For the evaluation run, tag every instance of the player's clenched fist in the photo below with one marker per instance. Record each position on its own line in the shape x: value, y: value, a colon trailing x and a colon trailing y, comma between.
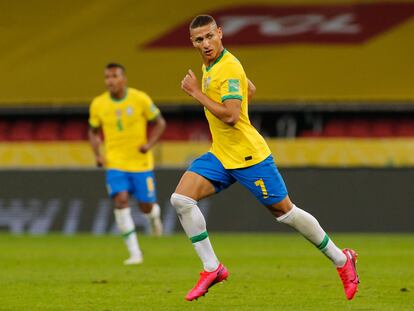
x: 190, y: 84
x: 100, y: 161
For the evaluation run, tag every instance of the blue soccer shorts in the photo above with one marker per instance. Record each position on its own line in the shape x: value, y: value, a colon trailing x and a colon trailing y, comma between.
x: 263, y: 179
x: 140, y: 184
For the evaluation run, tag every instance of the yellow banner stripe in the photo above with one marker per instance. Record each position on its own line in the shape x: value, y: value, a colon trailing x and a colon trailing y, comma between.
x: 287, y: 152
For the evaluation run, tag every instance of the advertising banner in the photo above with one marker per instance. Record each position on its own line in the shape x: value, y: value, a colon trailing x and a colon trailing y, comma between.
x: 53, y: 53
x: 68, y: 202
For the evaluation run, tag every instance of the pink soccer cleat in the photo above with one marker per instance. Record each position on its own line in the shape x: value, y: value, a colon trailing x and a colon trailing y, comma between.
x: 348, y: 274
x: 207, y: 279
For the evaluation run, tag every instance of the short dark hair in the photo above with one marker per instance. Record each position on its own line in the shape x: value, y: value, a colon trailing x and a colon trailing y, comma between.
x: 201, y: 20
x: 115, y: 65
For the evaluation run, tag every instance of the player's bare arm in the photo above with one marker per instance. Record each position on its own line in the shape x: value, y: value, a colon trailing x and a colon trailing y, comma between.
x: 96, y: 142
x: 228, y: 112
x: 156, y: 133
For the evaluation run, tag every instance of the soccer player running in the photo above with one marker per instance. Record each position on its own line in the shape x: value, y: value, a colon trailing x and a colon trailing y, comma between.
x: 122, y: 113
x: 238, y: 153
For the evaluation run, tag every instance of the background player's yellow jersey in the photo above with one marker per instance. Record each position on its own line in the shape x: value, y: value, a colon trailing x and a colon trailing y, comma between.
x: 240, y: 145
x: 124, y: 124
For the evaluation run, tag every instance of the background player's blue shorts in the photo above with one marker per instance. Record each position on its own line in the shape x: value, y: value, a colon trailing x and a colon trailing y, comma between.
x: 140, y: 184
x: 263, y: 179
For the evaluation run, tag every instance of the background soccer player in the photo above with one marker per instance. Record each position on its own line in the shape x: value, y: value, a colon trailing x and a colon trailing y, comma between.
x: 238, y: 153
x: 123, y: 112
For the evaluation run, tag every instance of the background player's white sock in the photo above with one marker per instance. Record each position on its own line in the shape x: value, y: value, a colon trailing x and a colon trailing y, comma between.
x: 155, y: 212
x: 154, y: 218
x: 126, y: 226
x: 309, y: 227
x: 194, y: 226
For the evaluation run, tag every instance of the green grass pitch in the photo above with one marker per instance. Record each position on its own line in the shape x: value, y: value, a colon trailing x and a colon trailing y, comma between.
x: 267, y: 272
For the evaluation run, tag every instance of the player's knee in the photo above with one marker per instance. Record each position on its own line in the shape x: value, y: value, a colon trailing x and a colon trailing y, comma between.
x: 119, y: 205
x: 121, y: 201
x: 281, y: 208
x: 145, y: 207
x: 182, y: 203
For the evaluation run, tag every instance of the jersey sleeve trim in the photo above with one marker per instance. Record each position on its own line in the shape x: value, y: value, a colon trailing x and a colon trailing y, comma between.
x: 94, y: 126
x: 155, y: 116
x: 223, y: 98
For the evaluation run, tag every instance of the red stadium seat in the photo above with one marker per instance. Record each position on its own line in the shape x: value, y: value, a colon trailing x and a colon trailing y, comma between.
x: 47, y: 130
x: 382, y: 128
x: 405, y: 127
x: 175, y: 131
x: 359, y: 128
x: 21, y: 130
x: 4, y: 130
x: 334, y: 128
x: 75, y: 130
x: 198, y: 130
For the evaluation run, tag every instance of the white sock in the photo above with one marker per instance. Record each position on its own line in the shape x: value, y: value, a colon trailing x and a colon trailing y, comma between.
x: 309, y: 227
x: 154, y: 213
x: 126, y: 226
x: 194, y: 226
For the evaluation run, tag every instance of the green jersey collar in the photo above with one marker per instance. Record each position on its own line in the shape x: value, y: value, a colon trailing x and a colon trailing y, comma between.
x: 119, y: 100
x: 217, y: 60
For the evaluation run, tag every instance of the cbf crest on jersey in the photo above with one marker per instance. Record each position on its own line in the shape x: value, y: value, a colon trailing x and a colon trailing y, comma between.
x: 129, y: 111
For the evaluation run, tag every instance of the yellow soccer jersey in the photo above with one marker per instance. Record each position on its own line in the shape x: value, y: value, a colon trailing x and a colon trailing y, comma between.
x: 240, y: 145
x: 124, y: 124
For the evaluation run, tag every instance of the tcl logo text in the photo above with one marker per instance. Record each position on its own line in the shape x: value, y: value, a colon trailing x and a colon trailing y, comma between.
x: 317, y: 24
x: 291, y: 25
